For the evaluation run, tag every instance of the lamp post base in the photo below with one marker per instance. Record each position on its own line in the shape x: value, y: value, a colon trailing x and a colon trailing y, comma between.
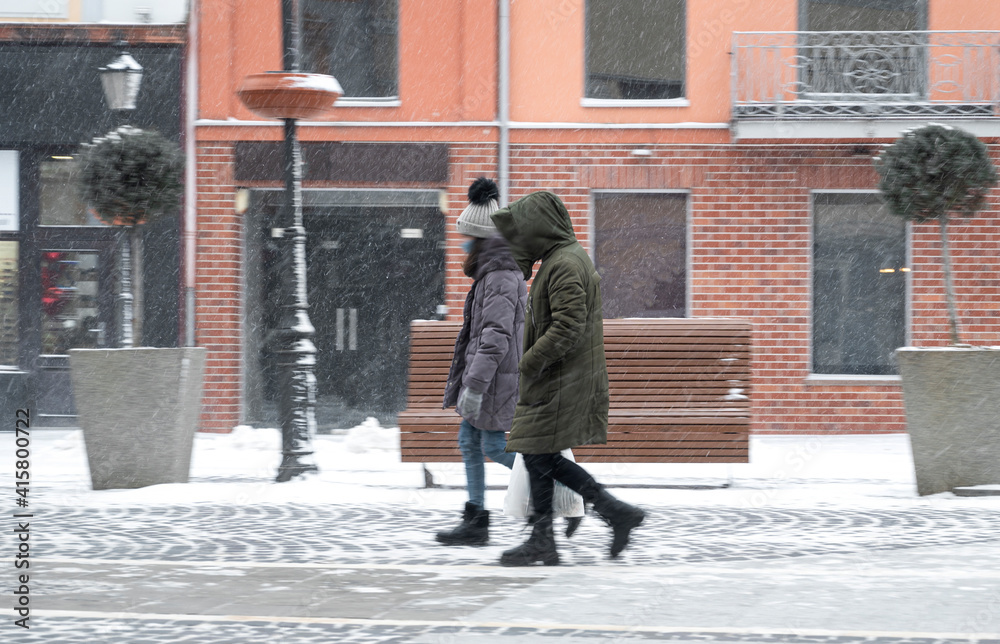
x: 291, y: 467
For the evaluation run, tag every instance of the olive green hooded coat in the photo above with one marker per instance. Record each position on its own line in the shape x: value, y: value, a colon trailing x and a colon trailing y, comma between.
x: 563, y: 398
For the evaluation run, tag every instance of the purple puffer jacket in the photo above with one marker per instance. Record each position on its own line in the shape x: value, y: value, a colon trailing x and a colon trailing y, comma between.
x: 488, y: 347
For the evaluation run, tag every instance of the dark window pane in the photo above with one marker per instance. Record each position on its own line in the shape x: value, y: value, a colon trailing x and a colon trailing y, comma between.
x: 641, y: 253
x: 354, y: 41
x: 859, y: 285
x: 863, y: 15
x: 61, y: 203
x: 635, y: 49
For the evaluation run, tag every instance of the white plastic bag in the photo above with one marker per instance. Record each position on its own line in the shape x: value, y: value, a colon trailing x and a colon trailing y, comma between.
x: 517, y: 502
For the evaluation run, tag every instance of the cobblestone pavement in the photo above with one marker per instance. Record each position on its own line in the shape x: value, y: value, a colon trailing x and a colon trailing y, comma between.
x: 218, y: 574
x: 163, y: 631
x: 401, y: 535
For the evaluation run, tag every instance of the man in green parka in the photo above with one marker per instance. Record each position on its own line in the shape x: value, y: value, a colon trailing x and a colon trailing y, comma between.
x: 563, y: 396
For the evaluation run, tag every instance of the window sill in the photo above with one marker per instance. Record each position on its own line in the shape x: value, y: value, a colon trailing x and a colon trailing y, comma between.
x: 822, y: 379
x: 360, y: 101
x: 621, y: 102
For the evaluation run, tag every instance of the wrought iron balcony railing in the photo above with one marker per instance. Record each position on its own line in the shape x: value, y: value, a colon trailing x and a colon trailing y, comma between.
x: 846, y: 74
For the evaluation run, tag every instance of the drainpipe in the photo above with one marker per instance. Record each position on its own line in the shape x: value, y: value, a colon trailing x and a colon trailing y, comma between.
x: 190, y: 176
x: 503, y: 103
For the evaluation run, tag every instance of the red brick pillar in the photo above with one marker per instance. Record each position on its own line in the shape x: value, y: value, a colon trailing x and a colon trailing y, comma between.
x: 219, y: 275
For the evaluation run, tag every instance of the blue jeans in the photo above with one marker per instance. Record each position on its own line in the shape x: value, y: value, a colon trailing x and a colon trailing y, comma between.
x: 474, y: 443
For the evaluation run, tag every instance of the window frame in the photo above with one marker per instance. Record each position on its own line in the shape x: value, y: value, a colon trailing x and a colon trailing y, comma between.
x: 854, y: 379
x: 680, y: 101
x: 688, y: 236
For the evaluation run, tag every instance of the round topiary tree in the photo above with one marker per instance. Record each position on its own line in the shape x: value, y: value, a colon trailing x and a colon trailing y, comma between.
x: 936, y: 172
x: 130, y: 177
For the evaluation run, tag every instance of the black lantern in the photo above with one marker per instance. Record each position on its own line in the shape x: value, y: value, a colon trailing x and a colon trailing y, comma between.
x: 121, y: 79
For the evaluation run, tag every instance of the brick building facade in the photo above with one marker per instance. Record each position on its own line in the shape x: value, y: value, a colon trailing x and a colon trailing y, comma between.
x: 753, y: 209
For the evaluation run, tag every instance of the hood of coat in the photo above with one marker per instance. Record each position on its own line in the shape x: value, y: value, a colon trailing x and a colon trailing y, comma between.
x: 534, y: 225
x: 494, y: 255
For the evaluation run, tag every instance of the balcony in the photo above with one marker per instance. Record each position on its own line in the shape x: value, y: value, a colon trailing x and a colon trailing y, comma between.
x: 864, y: 77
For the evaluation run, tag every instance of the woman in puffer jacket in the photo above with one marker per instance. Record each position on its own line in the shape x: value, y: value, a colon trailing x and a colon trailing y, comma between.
x: 483, y: 381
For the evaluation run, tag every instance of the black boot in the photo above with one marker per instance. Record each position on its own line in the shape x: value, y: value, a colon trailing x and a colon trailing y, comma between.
x: 473, y: 531
x: 572, y: 523
x: 540, y: 546
x: 621, y: 516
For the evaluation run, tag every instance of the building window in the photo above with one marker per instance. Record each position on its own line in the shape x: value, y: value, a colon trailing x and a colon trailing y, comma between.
x: 8, y: 303
x: 840, y: 59
x: 635, y: 49
x: 61, y: 203
x: 354, y: 41
x: 35, y: 10
x: 859, y: 285
x: 640, y: 250
x: 863, y: 15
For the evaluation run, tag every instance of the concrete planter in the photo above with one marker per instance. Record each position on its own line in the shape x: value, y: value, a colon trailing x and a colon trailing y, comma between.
x: 952, y: 400
x: 139, y: 410
x: 14, y: 393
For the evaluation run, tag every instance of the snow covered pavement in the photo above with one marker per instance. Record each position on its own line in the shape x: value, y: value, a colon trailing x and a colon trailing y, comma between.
x: 817, y: 540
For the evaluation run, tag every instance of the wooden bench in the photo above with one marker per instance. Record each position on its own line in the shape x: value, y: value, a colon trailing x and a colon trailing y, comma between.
x: 680, y: 393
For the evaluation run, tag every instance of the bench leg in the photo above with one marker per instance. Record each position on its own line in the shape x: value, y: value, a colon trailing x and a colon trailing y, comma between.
x: 428, y: 477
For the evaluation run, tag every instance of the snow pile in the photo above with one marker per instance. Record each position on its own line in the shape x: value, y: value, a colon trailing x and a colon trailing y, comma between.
x: 370, y: 436
x: 245, y: 437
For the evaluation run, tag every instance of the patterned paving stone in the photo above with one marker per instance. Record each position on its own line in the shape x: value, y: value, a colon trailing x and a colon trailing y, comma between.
x: 403, y: 535
x: 64, y: 630
x: 396, y: 535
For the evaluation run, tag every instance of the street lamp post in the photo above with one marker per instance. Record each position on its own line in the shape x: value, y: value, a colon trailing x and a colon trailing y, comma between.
x: 297, y: 355
x: 291, y: 95
x: 120, y: 80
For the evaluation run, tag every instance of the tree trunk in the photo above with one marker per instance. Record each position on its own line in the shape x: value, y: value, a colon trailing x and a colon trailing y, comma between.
x: 949, y: 283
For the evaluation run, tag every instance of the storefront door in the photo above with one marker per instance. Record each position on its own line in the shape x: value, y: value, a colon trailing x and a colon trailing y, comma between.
x: 375, y: 262
x: 69, y: 264
x: 77, y: 312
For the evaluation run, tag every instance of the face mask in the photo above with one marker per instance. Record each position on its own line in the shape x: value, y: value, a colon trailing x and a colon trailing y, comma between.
x: 468, y: 244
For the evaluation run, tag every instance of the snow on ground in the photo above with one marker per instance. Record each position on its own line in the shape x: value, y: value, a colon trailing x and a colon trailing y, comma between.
x: 362, y: 465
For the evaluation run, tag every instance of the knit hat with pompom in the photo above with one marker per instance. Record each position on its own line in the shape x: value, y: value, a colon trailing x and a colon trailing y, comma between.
x: 484, y: 199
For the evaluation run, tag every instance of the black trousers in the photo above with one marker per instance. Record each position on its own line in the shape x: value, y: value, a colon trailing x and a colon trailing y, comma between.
x: 545, y: 469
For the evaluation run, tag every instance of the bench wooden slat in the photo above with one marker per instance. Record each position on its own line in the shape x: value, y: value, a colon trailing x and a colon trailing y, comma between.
x: 671, y: 383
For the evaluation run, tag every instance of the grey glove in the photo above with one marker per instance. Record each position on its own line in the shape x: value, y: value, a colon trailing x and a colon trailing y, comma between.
x: 470, y: 403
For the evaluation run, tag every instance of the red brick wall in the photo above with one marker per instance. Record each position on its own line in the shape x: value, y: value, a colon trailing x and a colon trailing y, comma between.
x: 468, y: 161
x: 750, y: 255
x: 219, y: 276
x: 751, y: 252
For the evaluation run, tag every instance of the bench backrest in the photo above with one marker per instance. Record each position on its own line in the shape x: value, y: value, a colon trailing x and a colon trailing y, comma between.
x: 655, y: 363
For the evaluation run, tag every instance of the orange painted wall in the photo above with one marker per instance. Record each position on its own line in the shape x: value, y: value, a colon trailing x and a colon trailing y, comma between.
x: 448, y: 53
x: 447, y: 60
x: 547, y: 62
x: 952, y: 15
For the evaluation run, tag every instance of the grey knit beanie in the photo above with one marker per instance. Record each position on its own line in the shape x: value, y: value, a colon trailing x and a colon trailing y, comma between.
x: 483, y: 201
